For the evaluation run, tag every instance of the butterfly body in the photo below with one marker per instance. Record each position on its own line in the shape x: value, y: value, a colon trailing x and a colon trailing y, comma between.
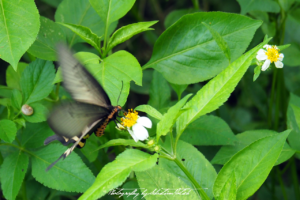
x: 90, y: 112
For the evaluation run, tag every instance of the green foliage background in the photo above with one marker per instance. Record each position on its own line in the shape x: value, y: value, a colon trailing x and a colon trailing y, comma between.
x: 190, y: 69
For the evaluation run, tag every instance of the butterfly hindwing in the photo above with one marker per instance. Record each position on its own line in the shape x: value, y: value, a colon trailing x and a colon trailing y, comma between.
x: 82, y: 86
x: 85, y: 131
x: 69, y: 119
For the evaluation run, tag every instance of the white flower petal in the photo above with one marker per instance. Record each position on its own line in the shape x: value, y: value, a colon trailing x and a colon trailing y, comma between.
x: 144, y: 121
x: 279, y: 64
x: 140, y: 132
x: 266, y: 65
x: 267, y: 46
x: 133, y: 135
x: 281, y: 56
x: 261, y: 55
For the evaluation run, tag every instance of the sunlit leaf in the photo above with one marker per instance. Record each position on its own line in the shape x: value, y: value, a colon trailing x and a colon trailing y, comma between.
x: 8, y: 130
x: 36, y: 80
x: 187, y: 52
x: 251, y: 165
x: 17, y: 33
x: 217, y: 90
x: 116, y: 172
x: 49, y: 36
x: 209, y: 130
x: 12, y: 173
x: 71, y: 174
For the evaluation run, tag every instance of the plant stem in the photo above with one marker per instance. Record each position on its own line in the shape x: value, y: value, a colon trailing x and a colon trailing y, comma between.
x: 192, y: 179
x: 172, y: 141
x: 281, y: 183
x: 295, y: 178
x: 196, y: 4
x: 24, y: 191
x: 272, y: 98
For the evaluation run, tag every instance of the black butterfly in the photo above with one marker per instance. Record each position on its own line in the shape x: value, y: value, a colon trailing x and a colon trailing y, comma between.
x: 73, y: 122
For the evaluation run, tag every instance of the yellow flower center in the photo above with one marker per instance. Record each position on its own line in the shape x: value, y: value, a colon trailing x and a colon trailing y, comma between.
x: 130, y: 118
x: 273, y: 54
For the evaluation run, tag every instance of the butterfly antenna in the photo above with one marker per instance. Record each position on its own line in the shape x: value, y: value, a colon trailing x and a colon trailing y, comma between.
x: 120, y: 94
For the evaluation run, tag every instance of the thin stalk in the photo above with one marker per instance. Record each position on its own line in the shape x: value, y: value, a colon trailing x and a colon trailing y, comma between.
x: 172, y: 141
x: 286, y: 167
x: 272, y: 98
x: 192, y: 179
x: 281, y: 183
x: 24, y: 195
x: 196, y: 4
x: 294, y: 177
x: 273, y: 176
x: 278, y: 98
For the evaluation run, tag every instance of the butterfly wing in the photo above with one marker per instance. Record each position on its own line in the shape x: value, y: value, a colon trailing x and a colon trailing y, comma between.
x: 70, y: 119
x: 82, y: 86
x: 86, y: 130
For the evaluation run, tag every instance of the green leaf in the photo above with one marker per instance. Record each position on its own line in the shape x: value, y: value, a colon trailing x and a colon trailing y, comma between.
x: 39, y: 113
x: 90, y: 148
x: 160, y: 178
x: 86, y: 34
x: 80, y: 13
x: 282, y: 47
x: 217, y: 90
x: 209, y: 130
x: 130, y: 187
x: 8, y: 130
x: 175, y: 15
x: 291, y: 55
x: 118, y: 67
x: 245, y: 139
x: 58, y: 76
x: 150, y: 111
x: 35, y: 134
x: 16, y: 99
x: 179, y: 89
x: 168, y: 119
x: 251, y: 165
x: 36, y: 191
x: 144, y: 89
x: 70, y: 174
x: 115, y: 173
x: 21, y: 122
x: 293, y: 122
x: 293, y: 24
x: 123, y: 142
x: 257, y: 71
x: 286, y: 4
x: 49, y: 36
x: 53, y: 3
x: 187, y: 53
x: 261, y: 5
x: 36, y: 80
x: 229, y: 190
x: 219, y: 40
x: 126, y: 32
x: 20, y: 25
x: 12, y: 173
x: 13, y: 77
x: 111, y: 10
x: 160, y: 92
x: 195, y: 163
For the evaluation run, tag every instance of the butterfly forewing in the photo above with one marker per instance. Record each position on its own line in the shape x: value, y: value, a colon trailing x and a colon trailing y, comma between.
x: 82, y: 86
x: 92, y: 108
x: 69, y: 119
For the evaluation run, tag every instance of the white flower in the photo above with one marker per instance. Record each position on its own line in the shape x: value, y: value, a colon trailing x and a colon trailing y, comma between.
x: 270, y: 55
x: 136, y: 125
